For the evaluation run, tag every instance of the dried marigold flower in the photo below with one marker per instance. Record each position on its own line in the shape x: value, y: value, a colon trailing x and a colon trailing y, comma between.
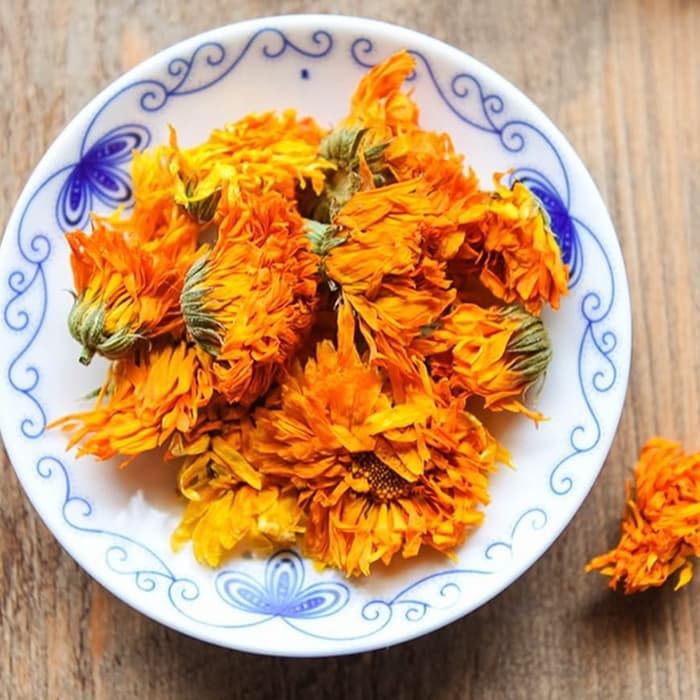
x: 388, y: 118
x: 128, y: 270
x: 376, y: 476
x: 229, y: 506
x: 355, y: 167
x: 378, y: 103
x: 661, y: 526
x: 126, y: 289
x: 383, y: 272
x: 258, y: 153
x: 212, y: 450
x: 230, y: 518
x: 498, y: 353
x: 508, y: 241
x: 148, y: 396
x: 249, y: 301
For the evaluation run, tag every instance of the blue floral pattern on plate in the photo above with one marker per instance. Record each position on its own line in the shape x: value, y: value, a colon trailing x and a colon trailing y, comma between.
x: 286, y: 591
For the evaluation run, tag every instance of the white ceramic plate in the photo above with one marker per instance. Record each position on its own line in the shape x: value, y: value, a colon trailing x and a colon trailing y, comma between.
x: 117, y: 524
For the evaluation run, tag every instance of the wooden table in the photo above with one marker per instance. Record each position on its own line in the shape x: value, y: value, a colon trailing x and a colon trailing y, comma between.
x: 622, y: 80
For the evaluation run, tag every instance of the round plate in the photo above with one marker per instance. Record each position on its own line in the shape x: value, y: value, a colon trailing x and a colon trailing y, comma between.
x: 117, y: 524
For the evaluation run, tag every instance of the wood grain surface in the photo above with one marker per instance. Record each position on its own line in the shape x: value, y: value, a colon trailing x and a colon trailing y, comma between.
x: 622, y: 81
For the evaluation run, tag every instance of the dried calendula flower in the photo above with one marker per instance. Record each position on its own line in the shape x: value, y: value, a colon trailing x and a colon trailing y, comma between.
x: 358, y: 147
x: 498, y: 353
x: 377, y: 476
x: 379, y: 105
x: 126, y: 289
x: 229, y: 505
x: 384, y: 273
x: 388, y: 118
x: 147, y: 397
x: 511, y: 247
x: 255, y: 154
x: 212, y: 449
x: 249, y: 301
x: 235, y: 516
x: 661, y: 526
x: 200, y: 203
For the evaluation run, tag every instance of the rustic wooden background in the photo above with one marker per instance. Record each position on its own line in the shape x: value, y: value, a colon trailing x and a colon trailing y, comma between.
x: 622, y: 80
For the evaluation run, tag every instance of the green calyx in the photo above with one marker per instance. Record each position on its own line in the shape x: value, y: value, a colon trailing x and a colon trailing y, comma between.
x: 86, y: 323
x: 323, y: 238
x: 529, y: 346
x: 205, y: 330
x: 427, y: 330
x: 201, y: 209
x: 343, y: 148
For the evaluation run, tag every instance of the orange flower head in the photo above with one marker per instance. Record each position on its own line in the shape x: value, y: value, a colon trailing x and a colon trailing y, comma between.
x: 356, y: 148
x: 155, y: 220
x: 223, y: 520
x: 376, y: 476
x: 155, y: 211
x: 249, y: 302
x: 258, y: 153
x: 229, y: 507
x: 126, y: 289
x: 431, y: 156
x: 498, y: 353
x: 381, y: 142
x: 211, y: 451
x: 661, y: 527
x: 510, y: 245
x: 148, y: 396
x: 383, y: 272
x: 378, y: 103
x: 355, y: 166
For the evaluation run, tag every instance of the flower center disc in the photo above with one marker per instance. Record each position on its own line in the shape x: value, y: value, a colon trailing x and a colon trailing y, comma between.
x: 385, y: 484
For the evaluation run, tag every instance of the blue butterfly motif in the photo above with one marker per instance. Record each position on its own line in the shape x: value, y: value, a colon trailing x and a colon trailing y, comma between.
x: 98, y: 176
x: 282, y: 593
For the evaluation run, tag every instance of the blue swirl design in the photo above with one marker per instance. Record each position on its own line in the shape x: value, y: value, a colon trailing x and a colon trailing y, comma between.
x: 98, y: 175
x: 283, y: 594
x: 209, y: 64
x: 77, y: 512
x: 561, y: 221
x: 601, y: 342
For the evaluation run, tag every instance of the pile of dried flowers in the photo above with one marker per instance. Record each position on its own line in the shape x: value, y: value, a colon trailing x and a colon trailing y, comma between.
x: 300, y: 317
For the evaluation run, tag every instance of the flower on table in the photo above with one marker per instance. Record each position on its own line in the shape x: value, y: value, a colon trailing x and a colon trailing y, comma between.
x: 661, y: 525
